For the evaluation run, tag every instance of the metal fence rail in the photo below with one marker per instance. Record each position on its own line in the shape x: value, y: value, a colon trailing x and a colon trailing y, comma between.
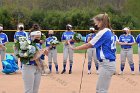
x: 73, y: 30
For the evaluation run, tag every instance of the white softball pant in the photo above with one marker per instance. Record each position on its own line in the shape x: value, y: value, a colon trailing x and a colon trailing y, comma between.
x: 67, y: 51
x: 2, y: 53
x: 106, y: 70
x: 92, y: 55
x: 126, y: 53
x: 31, y: 77
x: 52, y: 55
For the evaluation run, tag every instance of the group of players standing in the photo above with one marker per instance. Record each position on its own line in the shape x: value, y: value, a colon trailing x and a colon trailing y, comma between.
x: 126, y: 41
x: 101, y: 46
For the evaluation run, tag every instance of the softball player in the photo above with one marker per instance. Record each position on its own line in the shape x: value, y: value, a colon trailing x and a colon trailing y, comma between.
x: 18, y: 34
x: 91, y: 51
x: 67, y: 51
x: 52, y: 53
x: 138, y: 42
x: 30, y: 72
x: 3, y: 41
x: 126, y: 41
x: 103, y: 43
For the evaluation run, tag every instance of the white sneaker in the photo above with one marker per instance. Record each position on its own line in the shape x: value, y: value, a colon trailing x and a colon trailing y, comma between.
x: 89, y: 72
x: 121, y: 73
x: 97, y: 72
x: 132, y: 72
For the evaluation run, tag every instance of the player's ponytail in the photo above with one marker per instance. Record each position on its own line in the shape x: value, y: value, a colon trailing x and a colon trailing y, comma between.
x: 104, y: 19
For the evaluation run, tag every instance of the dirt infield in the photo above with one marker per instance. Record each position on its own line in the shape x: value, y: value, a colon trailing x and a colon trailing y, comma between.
x: 66, y: 83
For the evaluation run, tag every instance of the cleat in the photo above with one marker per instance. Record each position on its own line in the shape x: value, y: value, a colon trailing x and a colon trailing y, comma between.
x: 70, y: 72
x: 132, y: 72
x: 89, y: 72
x: 63, y: 71
x: 121, y: 73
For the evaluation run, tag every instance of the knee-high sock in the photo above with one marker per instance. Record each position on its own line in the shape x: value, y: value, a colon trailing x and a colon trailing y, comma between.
x: 56, y: 66
x: 50, y: 67
x: 122, y: 67
x: 132, y: 67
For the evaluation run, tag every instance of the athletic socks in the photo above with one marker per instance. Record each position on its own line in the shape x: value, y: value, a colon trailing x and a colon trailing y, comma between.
x: 50, y: 67
x: 56, y: 66
x: 64, y: 67
x: 70, y: 67
x: 139, y: 67
x: 97, y: 67
x: 132, y: 67
x: 89, y: 66
x: 122, y: 67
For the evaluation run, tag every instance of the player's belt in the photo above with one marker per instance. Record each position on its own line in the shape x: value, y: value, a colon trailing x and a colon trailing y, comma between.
x: 110, y: 60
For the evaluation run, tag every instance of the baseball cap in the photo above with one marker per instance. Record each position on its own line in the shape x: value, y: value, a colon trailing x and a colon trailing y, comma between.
x: 126, y: 28
x: 35, y: 33
x: 1, y: 28
x: 69, y: 25
x: 92, y: 28
x: 20, y: 25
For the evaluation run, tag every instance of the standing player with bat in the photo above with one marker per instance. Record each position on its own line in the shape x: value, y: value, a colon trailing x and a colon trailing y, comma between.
x: 103, y: 43
x: 91, y: 51
x: 67, y: 51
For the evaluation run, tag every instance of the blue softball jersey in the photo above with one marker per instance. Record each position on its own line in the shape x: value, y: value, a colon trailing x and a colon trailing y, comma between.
x: 67, y: 35
x: 103, y: 42
x: 138, y: 40
x: 3, y: 38
x: 19, y: 34
x: 128, y: 39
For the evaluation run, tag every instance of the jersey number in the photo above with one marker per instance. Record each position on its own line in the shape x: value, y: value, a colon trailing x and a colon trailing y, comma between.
x: 113, y: 45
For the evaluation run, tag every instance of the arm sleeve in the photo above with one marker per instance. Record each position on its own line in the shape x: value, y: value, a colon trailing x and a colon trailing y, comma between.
x: 15, y: 36
x: 6, y: 38
x: 47, y: 45
x: 120, y: 40
x: 137, y: 39
x: 132, y: 39
x: 63, y: 37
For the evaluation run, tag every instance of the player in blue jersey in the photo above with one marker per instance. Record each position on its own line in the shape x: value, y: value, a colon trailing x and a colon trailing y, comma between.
x: 3, y: 41
x: 126, y: 41
x: 67, y: 51
x: 138, y: 42
x: 91, y: 51
x: 103, y: 43
x: 18, y: 34
x: 52, y: 53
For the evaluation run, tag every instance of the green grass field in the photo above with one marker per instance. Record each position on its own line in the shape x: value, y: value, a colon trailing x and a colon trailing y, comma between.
x: 60, y: 48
